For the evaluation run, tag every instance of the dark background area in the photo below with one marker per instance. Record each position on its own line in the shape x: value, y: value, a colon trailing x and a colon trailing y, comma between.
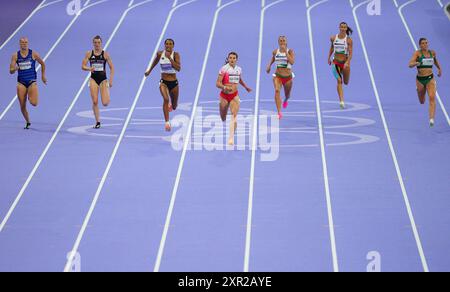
x: 13, y: 14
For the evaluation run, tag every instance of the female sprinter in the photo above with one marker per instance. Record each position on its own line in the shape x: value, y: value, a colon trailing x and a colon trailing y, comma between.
x: 24, y: 62
x: 99, y: 80
x: 230, y: 76
x: 342, y: 47
x: 424, y: 59
x: 170, y: 63
x: 284, y: 58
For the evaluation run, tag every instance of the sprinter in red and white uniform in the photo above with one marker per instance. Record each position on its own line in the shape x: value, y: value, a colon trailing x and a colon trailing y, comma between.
x: 230, y: 76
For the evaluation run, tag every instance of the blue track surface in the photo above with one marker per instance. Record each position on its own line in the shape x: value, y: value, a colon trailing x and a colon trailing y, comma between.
x: 127, y: 201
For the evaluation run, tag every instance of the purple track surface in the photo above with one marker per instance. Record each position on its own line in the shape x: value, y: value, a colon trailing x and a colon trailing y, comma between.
x: 110, y: 195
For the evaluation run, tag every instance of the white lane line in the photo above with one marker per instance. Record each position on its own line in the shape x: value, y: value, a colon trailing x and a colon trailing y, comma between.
x: 51, y: 3
x: 188, y: 136
x: 120, y: 139
x: 405, y: 24
x: 22, y: 25
x: 13, y: 100
x: 351, y: 2
x: 248, y: 238
x: 55, y: 134
x: 391, y: 145
x: 322, y: 142
x: 440, y: 3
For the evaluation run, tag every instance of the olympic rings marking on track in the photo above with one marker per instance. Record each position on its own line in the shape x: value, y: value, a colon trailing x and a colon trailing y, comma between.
x: 355, y: 122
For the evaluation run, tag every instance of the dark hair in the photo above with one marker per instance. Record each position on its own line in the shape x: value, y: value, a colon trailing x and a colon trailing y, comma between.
x: 422, y: 39
x: 169, y: 40
x: 97, y: 38
x: 232, y: 53
x: 349, y: 30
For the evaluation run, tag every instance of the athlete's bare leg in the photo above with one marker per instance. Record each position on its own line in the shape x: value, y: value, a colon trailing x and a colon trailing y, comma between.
x: 234, y: 106
x: 94, y: 89
x: 22, y: 95
x: 166, y: 100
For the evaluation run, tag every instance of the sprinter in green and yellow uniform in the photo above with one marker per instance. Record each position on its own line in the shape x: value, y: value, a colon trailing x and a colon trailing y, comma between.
x: 424, y: 59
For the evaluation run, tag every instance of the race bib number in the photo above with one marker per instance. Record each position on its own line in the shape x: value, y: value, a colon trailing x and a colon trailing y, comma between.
x: 25, y: 66
x: 166, y: 67
x: 98, y: 67
x: 428, y: 62
x: 235, y: 79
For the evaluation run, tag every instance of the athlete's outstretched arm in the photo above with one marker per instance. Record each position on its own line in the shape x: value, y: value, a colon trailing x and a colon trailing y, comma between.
x: 350, y: 52
x: 241, y: 82
x: 42, y: 63
x: 291, y: 57
x: 413, y: 62
x: 13, y: 68
x: 269, y: 67
x: 176, y: 62
x: 111, y: 68
x: 438, y: 65
x: 155, y: 62
x: 330, y: 53
x: 84, y: 65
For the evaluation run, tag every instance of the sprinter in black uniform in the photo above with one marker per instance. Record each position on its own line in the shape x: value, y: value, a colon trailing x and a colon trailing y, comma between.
x: 97, y: 59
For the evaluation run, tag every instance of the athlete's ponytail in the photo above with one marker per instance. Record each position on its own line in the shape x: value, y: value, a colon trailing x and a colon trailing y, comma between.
x: 232, y: 53
x: 349, y: 29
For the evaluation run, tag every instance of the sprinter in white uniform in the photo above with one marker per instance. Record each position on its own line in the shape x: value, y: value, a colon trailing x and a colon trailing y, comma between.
x: 170, y: 64
x: 284, y: 58
x: 342, y: 49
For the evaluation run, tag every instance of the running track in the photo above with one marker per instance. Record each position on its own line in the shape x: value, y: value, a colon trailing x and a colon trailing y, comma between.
x: 369, y: 179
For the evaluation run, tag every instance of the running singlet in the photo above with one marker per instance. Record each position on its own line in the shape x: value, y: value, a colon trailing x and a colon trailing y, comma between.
x: 99, y: 65
x: 27, y: 67
x: 231, y: 75
x: 166, y: 65
x: 426, y: 62
x: 340, y: 46
x: 281, y: 60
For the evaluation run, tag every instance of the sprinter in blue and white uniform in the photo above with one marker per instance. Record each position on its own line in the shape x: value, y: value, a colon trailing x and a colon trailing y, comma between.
x: 24, y: 62
x: 170, y: 64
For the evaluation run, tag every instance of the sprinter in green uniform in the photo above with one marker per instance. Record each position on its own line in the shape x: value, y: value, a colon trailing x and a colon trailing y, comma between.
x: 424, y: 59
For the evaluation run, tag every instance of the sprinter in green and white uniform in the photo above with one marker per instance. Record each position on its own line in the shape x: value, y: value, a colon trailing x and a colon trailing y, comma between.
x: 342, y: 51
x: 425, y: 59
